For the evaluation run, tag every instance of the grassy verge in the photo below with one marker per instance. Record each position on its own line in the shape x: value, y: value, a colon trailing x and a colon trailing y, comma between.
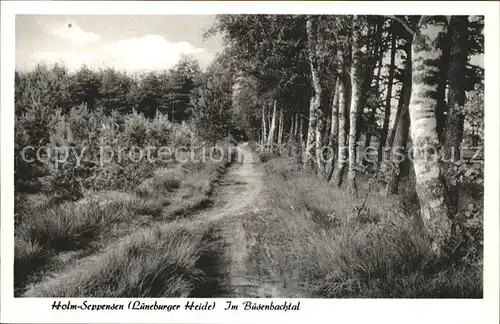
x: 176, y: 260
x: 329, y: 244
x: 45, y: 230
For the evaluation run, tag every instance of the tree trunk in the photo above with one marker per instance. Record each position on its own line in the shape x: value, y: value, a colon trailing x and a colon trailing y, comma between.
x: 280, y: 130
x: 319, y: 142
x: 405, y: 92
x: 334, y: 125
x: 311, y: 133
x: 299, y: 144
x: 355, y: 104
x: 377, y: 53
x: 387, y: 110
x: 458, y: 32
x: 325, y: 148
x: 334, y: 131
x: 430, y: 184
x: 411, y: 185
x: 301, y: 132
x: 264, y: 126
x: 390, y: 140
x: 272, y: 128
x: 296, y: 129
x: 342, y: 135
x: 401, y: 128
x: 269, y: 117
x: 314, y: 109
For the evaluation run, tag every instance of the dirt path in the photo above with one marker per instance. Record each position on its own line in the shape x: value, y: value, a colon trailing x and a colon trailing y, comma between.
x: 239, y: 193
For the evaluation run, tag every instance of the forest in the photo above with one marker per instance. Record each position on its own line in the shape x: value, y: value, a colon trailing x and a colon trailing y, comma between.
x: 362, y: 175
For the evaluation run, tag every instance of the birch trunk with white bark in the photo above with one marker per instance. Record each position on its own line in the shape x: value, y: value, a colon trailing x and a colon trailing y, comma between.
x: 355, y: 104
x: 264, y: 126
x: 430, y: 185
x: 272, y: 128
x: 342, y: 134
x: 280, y: 130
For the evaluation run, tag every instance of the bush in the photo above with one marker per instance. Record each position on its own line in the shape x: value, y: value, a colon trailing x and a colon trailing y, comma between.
x: 58, y: 110
x: 81, y: 133
x: 67, y: 202
x: 31, y: 130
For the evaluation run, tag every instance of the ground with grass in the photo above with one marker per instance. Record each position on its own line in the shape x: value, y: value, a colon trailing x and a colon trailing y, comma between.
x: 272, y: 230
x: 53, y: 239
x: 195, y: 256
x: 316, y: 240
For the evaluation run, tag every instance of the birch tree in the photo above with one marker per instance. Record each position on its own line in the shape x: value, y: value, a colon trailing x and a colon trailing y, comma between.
x: 430, y: 185
x: 313, y: 134
x: 272, y: 127
x: 334, y: 130
x: 355, y: 102
x: 280, y: 128
x: 342, y: 135
x: 264, y: 125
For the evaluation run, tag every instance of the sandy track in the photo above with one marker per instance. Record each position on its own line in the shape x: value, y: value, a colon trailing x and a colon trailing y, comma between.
x: 241, y: 194
x: 238, y: 193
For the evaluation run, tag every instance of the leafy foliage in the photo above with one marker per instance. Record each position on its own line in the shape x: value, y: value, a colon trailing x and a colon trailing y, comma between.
x: 474, y: 116
x: 212, y: 103
x: 114, y: 91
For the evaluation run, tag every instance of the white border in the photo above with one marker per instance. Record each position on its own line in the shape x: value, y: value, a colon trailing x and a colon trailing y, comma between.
x: 27, y: 310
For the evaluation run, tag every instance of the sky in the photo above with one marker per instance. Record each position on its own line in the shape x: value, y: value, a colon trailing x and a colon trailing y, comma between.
x: 125, y: 42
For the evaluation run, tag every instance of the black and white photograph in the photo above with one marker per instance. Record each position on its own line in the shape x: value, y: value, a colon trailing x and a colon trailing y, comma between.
x: 250, y: 157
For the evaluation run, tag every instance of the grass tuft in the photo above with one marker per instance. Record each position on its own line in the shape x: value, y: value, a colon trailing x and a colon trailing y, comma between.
x: 69, y: 225
x: 164, y: 262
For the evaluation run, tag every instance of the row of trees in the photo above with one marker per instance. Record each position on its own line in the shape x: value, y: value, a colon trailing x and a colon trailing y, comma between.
x: 335, y: 81
x: 78, y: 112
x: 312, y: 82
x: 167, y: 92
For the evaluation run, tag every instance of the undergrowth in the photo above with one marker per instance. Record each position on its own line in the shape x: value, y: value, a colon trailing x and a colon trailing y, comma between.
x: 330, y: 244
x: 176, y: 260
x: 45, y: 228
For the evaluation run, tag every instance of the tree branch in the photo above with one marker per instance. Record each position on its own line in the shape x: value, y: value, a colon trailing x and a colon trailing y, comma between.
x: 403, y: 23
